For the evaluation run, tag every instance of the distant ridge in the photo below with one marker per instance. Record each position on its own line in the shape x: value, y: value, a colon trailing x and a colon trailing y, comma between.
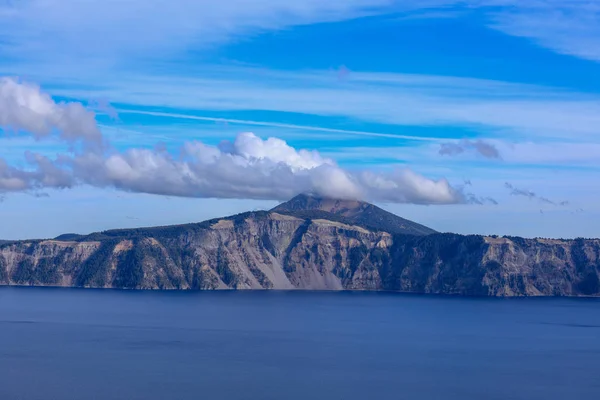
x: 353, y: 211
x: 309, y: 243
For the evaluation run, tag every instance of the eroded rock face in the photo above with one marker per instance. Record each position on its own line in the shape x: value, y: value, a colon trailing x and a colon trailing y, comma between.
x: 269, y: 250
x: 488, y: 266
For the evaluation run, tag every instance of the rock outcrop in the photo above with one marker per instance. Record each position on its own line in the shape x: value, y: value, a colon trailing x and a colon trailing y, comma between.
x: 307, y: 248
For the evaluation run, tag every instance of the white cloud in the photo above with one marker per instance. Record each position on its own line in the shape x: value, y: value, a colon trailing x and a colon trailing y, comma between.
x: 23, y: 107
x: 250, y: 167
x: 405, y: 186
x: 251, y: 147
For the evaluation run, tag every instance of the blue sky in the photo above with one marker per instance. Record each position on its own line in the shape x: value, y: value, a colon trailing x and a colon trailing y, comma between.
x: 467, y: 116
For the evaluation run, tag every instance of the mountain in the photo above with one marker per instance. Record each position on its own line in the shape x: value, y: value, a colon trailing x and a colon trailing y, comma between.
x: 353, y: 212
x: 307, y: 243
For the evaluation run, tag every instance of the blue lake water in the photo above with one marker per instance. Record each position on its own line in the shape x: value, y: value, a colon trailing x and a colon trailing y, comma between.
x: 102, y: 344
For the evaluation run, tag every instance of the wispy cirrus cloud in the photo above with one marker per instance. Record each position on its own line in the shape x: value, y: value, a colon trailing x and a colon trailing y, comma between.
x: 495, y: 108
x: 143, y: 28
x: 37, y: 28
x: 569, y: 27
x: 246, y: 122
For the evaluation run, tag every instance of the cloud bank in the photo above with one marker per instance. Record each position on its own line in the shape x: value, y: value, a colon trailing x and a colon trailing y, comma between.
x: 252, y: 168
x: 248, y: 167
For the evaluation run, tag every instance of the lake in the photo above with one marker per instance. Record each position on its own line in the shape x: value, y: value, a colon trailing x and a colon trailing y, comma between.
x: 106, y: 344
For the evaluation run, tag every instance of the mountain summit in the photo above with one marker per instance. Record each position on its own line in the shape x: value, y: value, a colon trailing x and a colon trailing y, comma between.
x: 351, y: 211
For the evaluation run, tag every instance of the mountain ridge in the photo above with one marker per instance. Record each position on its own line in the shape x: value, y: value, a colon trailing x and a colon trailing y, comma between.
x: 310, y: 244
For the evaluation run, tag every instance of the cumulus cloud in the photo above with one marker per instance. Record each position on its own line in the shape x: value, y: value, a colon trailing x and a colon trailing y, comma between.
x: 248, y: 167
x: 249, y: 146
x: 532, y: 195
x: 481, y: 147
x: 24, y: 107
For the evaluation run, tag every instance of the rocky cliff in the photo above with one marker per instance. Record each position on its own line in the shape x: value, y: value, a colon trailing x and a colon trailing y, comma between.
x: 306, y: 249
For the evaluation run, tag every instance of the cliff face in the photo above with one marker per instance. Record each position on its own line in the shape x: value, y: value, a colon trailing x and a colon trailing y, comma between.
x: 255, y: 251
x: 491, y: 266
x: 270, y: 250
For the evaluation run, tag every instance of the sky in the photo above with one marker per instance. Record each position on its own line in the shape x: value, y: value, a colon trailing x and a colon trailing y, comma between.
x: 474, y: 117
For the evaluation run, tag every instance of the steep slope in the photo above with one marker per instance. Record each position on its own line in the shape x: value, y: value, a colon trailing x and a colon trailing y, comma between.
x: 354, y: 212
x: 270, y: 250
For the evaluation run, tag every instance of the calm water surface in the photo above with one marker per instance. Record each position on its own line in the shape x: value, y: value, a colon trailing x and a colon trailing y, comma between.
x: 93, y: 344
